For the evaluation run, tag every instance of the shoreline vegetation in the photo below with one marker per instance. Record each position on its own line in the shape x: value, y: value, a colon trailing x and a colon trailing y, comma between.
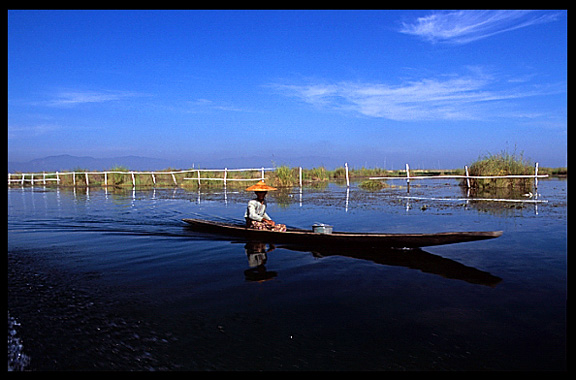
x: 283, y: 176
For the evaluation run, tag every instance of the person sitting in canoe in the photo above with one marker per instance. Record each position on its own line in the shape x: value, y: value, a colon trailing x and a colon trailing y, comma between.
x: 256, y: 216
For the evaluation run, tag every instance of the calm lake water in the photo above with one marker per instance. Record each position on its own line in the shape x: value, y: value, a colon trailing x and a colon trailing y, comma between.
x: 100, y: 280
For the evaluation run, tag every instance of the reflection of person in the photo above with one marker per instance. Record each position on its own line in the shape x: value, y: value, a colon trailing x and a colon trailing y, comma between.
x: 256, y: 252
x: 256, y: 216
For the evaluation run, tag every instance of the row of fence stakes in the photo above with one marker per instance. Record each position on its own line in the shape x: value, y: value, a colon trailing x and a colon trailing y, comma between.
x: 29, y: 177
x: 467, y: 176
x: 262, y: 171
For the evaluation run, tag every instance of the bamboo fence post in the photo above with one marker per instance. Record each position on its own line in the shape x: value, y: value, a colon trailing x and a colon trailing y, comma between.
x: 74, y: 178
x: 174, y: 178
x: 198, y: 178
x: 408, y: 177
x: 153, y: 178
x: 535, y: 178
x: 23, y: 179
x: 300, y: 175
x: 262, y: 173
x: 86, y: 173
x: 105, y: 178
x: 44, y: 178
x: 467, y: 175
x: 225, y: 175
x: 133, y: 180
x: 347, y: 176
x: 58, y: 178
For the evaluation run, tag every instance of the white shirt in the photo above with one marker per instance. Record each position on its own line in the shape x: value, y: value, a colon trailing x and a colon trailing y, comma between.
x: 256, y: 211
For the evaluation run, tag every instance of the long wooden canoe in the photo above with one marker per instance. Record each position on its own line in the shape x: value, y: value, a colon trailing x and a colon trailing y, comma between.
x: 307, y: 237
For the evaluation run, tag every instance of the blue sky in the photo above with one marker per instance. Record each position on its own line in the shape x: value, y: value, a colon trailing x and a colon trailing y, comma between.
x: 435, y: 89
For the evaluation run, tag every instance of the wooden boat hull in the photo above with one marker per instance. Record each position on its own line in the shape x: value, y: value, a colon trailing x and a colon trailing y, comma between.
x: 307, y: 237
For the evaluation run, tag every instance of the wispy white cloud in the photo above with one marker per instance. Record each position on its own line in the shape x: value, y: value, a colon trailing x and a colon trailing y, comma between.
x: 199, y: 105
x: 461, y: 27
x: 452, y: 97
x: 68, y: 98
x: 34, y: 130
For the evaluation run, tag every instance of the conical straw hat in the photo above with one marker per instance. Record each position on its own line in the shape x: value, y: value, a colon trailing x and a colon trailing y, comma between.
x: 260, y: 186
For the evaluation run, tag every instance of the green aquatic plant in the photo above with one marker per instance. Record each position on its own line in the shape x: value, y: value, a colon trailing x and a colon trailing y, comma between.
x: 373, y: 185
x: 500, y: 164
x: 285, y: 176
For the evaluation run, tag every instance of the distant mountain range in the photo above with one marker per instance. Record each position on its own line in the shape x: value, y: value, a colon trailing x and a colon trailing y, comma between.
x: 68, y: 162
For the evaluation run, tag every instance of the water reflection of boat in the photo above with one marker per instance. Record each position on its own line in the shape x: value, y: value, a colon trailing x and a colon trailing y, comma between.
x: 416, y: 258
x: 299, y: 236
x: 411, y: 258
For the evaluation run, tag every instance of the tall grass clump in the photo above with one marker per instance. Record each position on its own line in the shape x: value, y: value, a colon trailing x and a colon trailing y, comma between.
x: 499, y: 164
x: 285, y: 176
x: 316, y: 174
x: 339, y: 173
x: 118, y: 179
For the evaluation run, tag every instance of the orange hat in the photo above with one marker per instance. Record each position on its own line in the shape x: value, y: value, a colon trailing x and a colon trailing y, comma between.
x: 260, y: 186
